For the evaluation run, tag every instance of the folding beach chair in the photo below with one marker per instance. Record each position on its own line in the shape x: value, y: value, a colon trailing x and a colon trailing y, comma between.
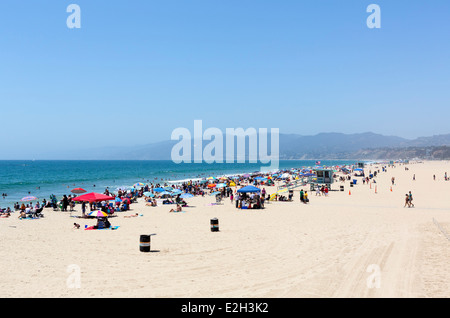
x: 38, y: 213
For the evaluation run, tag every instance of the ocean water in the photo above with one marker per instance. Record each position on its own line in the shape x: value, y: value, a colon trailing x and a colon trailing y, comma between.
x: 42, y: 178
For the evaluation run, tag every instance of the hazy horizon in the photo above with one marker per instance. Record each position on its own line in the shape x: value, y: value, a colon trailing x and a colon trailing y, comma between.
x: 75, y: 153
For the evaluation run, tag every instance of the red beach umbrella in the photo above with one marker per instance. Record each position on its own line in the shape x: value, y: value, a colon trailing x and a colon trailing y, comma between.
x: 93, y: 197
x: 78, y: 190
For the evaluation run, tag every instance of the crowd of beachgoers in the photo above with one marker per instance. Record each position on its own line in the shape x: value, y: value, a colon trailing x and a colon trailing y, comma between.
x: 178, y: 192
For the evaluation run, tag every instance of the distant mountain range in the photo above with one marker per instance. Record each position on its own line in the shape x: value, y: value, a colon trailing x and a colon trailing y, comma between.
x: 291, y: 146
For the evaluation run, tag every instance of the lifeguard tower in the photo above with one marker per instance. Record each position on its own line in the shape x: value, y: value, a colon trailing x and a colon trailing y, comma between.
x: 323, y: 177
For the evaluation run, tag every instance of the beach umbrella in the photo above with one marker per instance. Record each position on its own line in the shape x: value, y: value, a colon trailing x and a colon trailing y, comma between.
x: 221, y: 185
x: 215, y: 193
x: 78, y: 190
x: 232, y: 184
x: 126, y: 200
x: 168, y: 188
x: 211, y: 178
x: 138, y: 184
x: 166, y: 193
x: 176, y: 191
x: 98, y: 214
x: 29, y: 198
x: 249, y: 188
x: 186, y: 195
x: 93, y: 197
x: 149, y: 194
x: 117, y: 199
x: 211, y: 185
x: 158, y: 190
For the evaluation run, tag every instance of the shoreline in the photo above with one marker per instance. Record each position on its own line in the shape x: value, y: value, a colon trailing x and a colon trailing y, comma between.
x: 112, y: 185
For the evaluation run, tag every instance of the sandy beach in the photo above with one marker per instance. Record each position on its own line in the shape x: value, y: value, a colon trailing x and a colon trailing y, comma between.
x: 362, y: 243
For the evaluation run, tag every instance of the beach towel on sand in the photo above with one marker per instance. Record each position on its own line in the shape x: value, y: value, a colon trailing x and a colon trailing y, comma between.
x: 109, y: 228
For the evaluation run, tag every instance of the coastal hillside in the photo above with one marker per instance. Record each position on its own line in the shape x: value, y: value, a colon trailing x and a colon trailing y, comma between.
x: 292, y: 146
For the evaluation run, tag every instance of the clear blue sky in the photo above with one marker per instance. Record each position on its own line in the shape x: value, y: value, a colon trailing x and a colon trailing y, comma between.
x: 138, y: 69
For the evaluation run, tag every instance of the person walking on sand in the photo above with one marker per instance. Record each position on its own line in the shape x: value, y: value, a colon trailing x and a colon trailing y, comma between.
x: 410, y: 199
x: 83, y: 209
x: 306, y: 200
x: 407, y: 201
x: 302, y: 199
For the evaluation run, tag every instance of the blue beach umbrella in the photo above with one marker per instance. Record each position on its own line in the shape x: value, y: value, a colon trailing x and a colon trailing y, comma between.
x: 159, y: 190
x: 186, y: 196
x: 215, y: 193
x: 177, y: 191
x: 149, y: 194
x: 221, y: 185
x: 249, y: 188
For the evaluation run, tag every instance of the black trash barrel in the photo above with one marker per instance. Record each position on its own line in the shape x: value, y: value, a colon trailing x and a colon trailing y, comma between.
x: 144, y: 245
x: 214, y: 225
